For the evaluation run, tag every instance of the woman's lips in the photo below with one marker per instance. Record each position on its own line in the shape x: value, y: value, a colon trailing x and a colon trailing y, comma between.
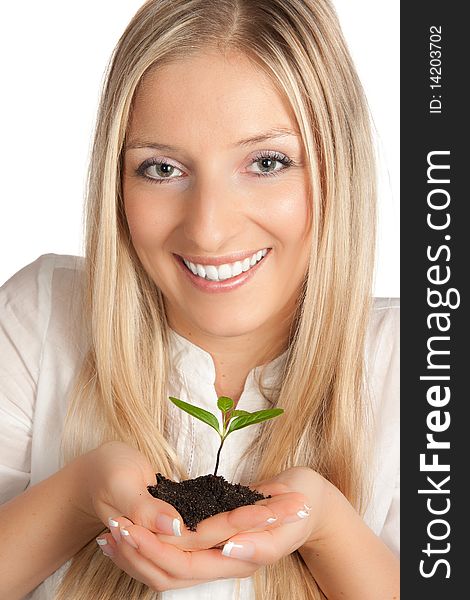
x: 206, y: 285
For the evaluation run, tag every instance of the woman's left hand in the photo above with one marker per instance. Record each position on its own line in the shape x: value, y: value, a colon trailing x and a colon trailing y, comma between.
x: 290, y: 531
x: 199, y: 556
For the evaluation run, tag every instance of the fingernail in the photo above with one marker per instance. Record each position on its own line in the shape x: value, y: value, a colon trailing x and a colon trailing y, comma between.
x: 233, y: 550
x: 105, y: 547
x: 127, y: 536
x: 168, y: 525
x: 265, y: 523
x: 303, y: 513
x: 114, y: 529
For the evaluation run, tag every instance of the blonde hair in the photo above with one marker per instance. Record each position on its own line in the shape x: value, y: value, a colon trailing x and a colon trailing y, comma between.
x: 121, y: 388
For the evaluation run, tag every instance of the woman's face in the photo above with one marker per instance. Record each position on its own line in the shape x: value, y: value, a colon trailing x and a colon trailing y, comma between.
x: 214, y: 173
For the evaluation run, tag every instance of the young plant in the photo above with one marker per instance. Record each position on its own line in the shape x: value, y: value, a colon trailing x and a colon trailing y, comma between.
x: 232, y: 419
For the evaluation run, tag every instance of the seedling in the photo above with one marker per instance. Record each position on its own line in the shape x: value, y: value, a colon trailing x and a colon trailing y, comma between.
x: 232, y: 419
x: 207, y: 495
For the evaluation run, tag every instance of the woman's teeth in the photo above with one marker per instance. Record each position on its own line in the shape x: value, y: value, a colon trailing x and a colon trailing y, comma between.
x: 225, y: 271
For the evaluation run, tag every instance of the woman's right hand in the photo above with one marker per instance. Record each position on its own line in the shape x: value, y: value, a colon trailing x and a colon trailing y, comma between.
x: 115, y: 480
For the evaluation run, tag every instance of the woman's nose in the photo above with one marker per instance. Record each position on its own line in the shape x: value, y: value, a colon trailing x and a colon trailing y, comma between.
x: 213, y: 216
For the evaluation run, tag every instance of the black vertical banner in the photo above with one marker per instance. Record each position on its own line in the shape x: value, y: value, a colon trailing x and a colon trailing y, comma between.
x: 435, y: 257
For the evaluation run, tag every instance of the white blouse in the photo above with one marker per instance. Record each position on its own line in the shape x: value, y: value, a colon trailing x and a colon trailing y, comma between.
x: 40, y: 352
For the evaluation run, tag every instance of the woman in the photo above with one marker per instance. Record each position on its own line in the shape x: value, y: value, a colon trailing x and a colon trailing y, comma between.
x: 227, y: 131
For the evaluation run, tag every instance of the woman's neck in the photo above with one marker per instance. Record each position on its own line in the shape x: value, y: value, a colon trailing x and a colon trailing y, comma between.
x: 235, y: 356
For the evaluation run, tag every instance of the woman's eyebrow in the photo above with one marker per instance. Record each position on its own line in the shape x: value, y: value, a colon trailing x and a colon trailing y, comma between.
x: 276, y: 132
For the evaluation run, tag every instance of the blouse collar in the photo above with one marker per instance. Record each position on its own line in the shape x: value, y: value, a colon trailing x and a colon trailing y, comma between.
x: 197, y: 364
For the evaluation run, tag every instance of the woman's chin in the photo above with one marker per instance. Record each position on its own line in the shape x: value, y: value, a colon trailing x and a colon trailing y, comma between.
x: 221, y: 323
x: 227, y: 328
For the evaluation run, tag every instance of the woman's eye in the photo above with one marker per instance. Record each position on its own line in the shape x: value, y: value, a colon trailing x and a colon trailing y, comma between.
x: 157, y: 170
x: 271, y: 163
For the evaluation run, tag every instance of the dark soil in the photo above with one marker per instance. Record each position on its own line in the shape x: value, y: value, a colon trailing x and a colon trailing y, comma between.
x: 200, y: 498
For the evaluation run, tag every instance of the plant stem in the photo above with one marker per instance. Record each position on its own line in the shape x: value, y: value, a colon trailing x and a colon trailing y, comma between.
x: 218, y: 456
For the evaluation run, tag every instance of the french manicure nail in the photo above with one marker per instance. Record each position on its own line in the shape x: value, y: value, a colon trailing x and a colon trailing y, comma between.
x: 113, y: 528
x: 303, y: 513
x: 265, y: 523
x: 105, y: 547
x: 127, y: 536
x: 168, y: 525
x: 244, y: 551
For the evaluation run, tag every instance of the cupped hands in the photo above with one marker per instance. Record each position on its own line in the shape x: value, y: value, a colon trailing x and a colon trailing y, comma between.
x: 228, y: 545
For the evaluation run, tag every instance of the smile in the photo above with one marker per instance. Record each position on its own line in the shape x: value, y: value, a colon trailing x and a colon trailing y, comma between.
x: 227, y: 270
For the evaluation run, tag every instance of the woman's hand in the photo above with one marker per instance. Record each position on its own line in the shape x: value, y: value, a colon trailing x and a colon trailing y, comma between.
x: 254, y: 535
x: 115, y: 480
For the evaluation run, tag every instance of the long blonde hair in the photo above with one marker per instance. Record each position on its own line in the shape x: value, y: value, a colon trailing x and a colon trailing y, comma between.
x: 121, y: 388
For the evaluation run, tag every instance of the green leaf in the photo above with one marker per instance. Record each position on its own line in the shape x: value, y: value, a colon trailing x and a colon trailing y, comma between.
x: 253, y: 418
x: 203, y: 415
x: 238, y: 413
x: 225, y: 404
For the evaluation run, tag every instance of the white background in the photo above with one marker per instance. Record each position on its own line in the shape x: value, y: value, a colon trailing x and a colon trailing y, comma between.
x: 53, y: 55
